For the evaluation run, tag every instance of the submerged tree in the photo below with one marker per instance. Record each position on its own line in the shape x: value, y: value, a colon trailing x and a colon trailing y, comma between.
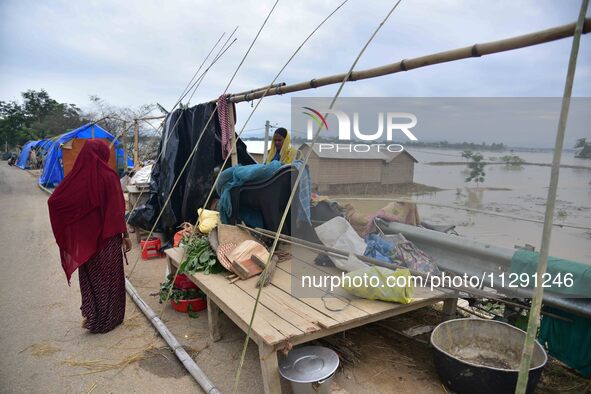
x: 476, y: 167
x: 513, y: 161
x: 584, y: 148
x: 467, y: 154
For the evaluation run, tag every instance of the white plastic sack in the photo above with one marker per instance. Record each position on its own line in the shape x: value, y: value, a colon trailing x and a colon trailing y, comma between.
x: 337, y: 233
x: 142, y: 176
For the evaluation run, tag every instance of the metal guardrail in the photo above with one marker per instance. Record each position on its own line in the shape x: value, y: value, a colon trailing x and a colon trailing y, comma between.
x: 459, y: 255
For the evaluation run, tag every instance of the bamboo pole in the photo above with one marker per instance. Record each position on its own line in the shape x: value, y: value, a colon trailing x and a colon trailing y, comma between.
x: 271, y: 86
x: 266, y: 141
x: 188, y: 362
x: 295, y: 187
x: 124, y: 144
x: 534, y: 316
x: 476, y: 50
x: 152, y: 117
x: 136, y: 143
x: 190, y: 365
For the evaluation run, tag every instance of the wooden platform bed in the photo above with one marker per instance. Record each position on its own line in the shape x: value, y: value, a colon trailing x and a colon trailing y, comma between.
x: 283, y: 320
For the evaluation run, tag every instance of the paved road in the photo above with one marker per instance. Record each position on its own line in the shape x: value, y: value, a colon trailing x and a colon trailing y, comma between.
x: 40, y: 334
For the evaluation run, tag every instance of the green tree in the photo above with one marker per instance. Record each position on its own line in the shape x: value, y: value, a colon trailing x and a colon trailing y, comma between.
x: 467, y: 154
x: 38, y: 116
x: 476, y: 167
x: 512, y: 160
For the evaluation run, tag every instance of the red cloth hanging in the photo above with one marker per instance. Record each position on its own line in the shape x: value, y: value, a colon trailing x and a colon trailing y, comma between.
x: 222, y: 105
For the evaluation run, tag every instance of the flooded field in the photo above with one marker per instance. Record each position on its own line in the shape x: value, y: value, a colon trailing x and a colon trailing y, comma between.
x: 517, y: 192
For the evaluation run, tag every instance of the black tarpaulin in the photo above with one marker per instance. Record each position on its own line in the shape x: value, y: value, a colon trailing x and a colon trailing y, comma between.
x: 180, y: 134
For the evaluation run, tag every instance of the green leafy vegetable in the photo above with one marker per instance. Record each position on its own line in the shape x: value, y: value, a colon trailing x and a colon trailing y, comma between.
x: 200, y: 257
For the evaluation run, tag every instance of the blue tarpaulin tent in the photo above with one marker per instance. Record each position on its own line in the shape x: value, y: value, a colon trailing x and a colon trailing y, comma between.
x: 24, y: 156
x: 43, y: 146
x: 53, y: 172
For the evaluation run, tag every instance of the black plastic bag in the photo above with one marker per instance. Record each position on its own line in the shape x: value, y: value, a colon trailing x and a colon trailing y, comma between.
x: 181, y: 132
x: 144, y: 217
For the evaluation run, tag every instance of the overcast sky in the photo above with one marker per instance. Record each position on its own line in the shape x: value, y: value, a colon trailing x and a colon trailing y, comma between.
x: 135, y: 52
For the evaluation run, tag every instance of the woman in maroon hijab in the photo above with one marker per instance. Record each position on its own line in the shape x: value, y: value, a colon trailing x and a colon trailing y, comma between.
x: 87, y: 212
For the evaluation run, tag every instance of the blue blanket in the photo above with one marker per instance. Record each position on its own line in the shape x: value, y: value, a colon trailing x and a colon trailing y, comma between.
x: 239, y: 175
x: 304, y: 193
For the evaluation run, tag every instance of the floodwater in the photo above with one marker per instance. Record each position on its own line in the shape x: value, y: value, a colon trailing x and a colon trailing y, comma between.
x: 517, y: 192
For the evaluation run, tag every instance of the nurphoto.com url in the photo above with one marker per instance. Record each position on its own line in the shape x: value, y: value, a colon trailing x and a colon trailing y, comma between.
x: 444, y: 280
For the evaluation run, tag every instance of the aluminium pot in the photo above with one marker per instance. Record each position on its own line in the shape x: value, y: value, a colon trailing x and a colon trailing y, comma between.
x: 482, y: 356
x: 309, y: 369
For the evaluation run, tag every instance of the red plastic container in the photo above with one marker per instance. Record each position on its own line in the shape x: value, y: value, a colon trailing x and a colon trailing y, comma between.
x: 184, y: 283
x: 150, y: 248
x: 197, y: 304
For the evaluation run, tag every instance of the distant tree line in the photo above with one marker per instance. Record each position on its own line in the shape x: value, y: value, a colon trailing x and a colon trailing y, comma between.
x: 38, y: 116
x: 416, y: 144
x: 458, y: 145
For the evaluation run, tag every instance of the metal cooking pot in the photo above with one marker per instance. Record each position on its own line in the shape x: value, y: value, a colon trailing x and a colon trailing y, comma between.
x: 482, y: 356
x: 309, y: 369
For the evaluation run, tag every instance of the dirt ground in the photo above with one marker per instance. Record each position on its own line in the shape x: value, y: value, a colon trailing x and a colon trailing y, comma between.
x: 43, y: 348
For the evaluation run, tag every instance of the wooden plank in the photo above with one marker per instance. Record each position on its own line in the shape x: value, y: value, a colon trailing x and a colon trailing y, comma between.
x: 136, y: 134
x: 175, y: 254
x: 270, y: 369
x: 213, y: 320
x: 238, y: 306
x: 353, y: 315
x: 323, y: 319
x: 241, y: 304
x: 289, y: 308
x: 282, y: 280
x: 401, y: 309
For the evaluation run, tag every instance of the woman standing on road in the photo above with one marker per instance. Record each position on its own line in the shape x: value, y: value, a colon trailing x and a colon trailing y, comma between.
x: 87, y: 213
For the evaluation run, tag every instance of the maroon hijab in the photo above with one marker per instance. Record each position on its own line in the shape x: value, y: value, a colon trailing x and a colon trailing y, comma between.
x: 87, y: 208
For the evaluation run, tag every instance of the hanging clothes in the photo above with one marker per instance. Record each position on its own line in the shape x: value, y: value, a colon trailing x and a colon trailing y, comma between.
x: 182, y: 129
x: 226, y: 127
